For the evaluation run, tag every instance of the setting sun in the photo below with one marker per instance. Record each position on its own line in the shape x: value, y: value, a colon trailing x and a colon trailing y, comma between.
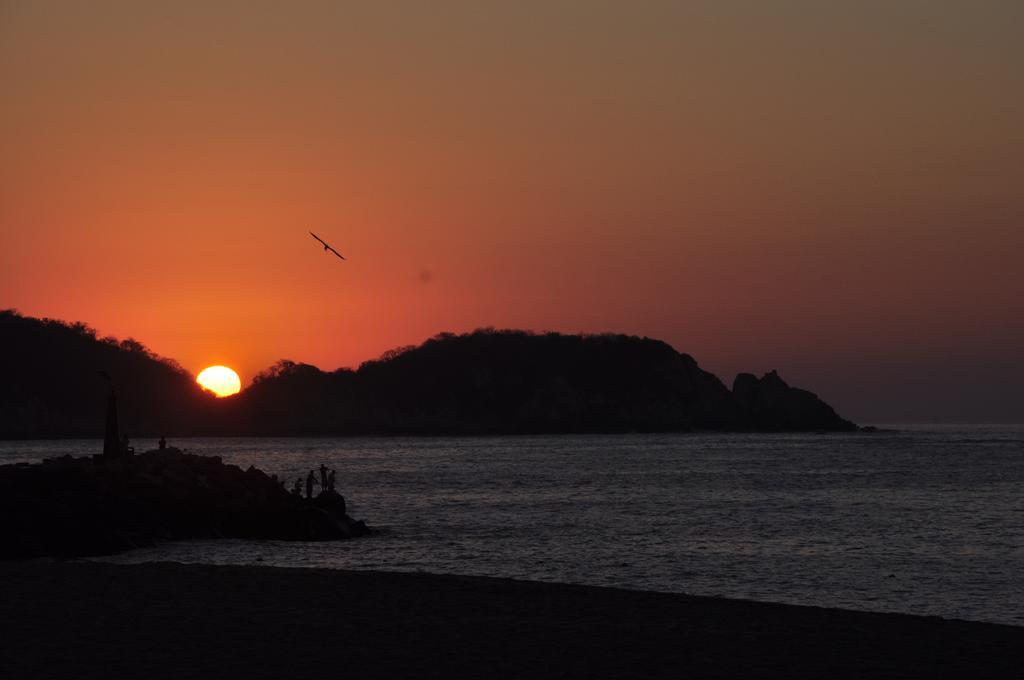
x: 220, y: 380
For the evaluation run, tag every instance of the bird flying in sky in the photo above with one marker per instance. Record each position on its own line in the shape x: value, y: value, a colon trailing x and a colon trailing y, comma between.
x: 327, y: 247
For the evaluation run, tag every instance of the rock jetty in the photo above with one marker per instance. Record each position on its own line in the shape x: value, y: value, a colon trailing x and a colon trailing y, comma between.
x: 69, y: 507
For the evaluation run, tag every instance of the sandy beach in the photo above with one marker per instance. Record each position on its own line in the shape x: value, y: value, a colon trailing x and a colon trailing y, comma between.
x: 94, y: 620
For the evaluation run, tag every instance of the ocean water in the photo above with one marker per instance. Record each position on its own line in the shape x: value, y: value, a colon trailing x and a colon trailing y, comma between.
x: 920, y: 520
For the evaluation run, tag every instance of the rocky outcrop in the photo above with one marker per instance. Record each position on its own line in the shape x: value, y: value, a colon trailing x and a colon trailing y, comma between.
x: 770, y: 404
x: 80, y: 506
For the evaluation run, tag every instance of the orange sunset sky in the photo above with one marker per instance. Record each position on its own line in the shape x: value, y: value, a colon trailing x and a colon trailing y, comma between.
x: 832, y: 189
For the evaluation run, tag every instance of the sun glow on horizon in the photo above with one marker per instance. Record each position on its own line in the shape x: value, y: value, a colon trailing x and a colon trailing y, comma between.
x: 220, y: 380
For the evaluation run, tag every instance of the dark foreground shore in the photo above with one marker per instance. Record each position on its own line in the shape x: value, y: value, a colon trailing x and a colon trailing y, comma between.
x: 91, y: 620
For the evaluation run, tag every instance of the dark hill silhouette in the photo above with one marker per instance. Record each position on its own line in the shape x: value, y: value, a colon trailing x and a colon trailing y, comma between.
x: 50, y: 384
x: 484, y: 382
x: 498, y: 381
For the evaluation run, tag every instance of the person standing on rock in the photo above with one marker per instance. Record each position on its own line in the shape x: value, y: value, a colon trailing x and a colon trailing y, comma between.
x: 323, y: 476
x: 330, y: 481
x: 310, y: 481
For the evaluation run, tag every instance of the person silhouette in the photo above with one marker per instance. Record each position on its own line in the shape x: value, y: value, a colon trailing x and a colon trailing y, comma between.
x: 162, y: 444
x: 323, y: 476
x: 310, y: 481
x: 125, y: 449
x: 330, y: 481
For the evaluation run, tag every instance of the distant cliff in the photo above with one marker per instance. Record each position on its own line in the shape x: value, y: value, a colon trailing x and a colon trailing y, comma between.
x: 485, y: 382
x: 769, y: 403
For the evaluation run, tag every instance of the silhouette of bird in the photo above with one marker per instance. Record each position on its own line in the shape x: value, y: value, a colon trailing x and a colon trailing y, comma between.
x: 327, y: 247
